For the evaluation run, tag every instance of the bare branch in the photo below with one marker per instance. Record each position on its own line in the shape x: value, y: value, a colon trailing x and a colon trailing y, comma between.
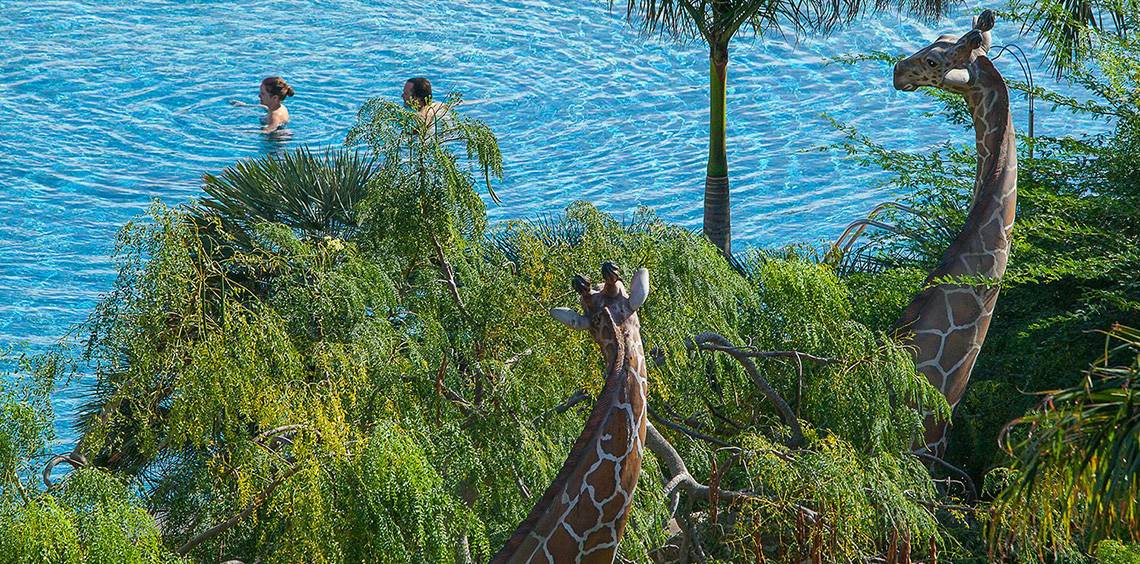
x: 72, y: 460
x: 448, y: 274
x: 716, y: 342
x: 679, y: 479
x: 514, y: 359
x: 449, y: 394
x: 723, y: 418
x: 578, y: 397
x: 277, y: 435
x: 751, y: 352
x: 953, y: 470
x: 458, y: 400
x: 685, y: 430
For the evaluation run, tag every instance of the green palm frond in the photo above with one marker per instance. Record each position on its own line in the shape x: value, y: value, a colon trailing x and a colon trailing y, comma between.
x: 1068, y: 28
x: 316, y: 195
x: 685, y: 19
x: 1082, y: 446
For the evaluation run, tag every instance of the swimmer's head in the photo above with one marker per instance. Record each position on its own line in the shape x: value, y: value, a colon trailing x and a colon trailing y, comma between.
x: 274, y: 90
x: 417, y: 93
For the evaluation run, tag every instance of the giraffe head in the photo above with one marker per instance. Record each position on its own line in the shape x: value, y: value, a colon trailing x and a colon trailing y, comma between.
x: 946, y: 63
x: 609, y: 296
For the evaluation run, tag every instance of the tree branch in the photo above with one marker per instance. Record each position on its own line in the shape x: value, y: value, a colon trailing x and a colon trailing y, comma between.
x: 442, y: 389
x: 953, y: 470
x: 229, y: 523
x: 685, y: 430
x: 723, y: 418
x: 578, y: 397
x: 277, y: 435
x: 75, y: 462
x: 680, y: 479
x: 448, y: 274
x: 716, y: 342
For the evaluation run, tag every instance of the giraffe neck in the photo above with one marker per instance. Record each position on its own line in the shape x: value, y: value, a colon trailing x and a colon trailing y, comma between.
x: 982, y: 246
x: 582, y: 515
x: 947, y: 323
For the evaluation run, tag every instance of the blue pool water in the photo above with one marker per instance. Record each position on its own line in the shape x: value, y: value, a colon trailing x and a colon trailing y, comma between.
x: 105, y: 105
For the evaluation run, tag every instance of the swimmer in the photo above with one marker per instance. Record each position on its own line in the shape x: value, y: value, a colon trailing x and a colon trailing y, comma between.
x: 417, y: 96
x: 273, y: 92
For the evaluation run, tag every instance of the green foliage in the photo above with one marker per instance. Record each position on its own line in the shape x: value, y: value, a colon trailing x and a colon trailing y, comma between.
x: 806, y: 307
x: 25, y: 429
x: 862, y: 500
x: 1078, y: 456
x: 356, y: 408
x: 331, y: 359
x: 1114, y: 552
x: 1071, y: 30
x: 93, y: 518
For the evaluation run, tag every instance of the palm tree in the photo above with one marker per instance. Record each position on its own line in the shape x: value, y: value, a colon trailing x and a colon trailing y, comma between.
x: 717, y: 21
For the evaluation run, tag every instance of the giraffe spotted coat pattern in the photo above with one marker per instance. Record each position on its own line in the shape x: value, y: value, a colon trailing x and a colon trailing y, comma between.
x: 947, y: 321
x: 582, y: 515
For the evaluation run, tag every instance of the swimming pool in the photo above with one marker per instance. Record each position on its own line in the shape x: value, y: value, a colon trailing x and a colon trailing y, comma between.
x: 105, y: 105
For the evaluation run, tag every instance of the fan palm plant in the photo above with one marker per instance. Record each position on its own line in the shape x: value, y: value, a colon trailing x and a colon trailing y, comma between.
x: 717, y: 22
x: 314, y: 195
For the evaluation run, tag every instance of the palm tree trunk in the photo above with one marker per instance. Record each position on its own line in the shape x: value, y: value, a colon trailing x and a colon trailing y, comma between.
x: 717, y: 221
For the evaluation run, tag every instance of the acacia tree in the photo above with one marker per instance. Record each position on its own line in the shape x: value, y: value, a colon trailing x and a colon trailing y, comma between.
x: 717, y: 22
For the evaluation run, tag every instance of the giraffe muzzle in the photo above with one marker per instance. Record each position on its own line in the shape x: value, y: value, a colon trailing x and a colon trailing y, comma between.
x: 902, y: 81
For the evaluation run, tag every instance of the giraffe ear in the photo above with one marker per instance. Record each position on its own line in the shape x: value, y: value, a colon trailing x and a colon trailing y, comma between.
x: 983, y: 24
x: 570, y: 318
x: 985, y: 21
x: 639, y: 289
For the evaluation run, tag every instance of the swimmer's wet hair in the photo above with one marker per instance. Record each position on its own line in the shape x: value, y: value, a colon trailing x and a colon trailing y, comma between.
x: 276, y: 86
x: 421, y: 88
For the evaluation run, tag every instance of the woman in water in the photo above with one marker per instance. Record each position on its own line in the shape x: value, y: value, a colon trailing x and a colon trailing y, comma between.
x: 273, y: 92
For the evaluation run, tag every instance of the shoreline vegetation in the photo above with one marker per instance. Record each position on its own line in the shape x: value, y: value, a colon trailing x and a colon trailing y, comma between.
x: 334, y: 357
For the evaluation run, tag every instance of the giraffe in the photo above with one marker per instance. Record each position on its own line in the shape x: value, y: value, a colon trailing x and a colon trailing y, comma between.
x: 582, y: 515
x: 946, y: 323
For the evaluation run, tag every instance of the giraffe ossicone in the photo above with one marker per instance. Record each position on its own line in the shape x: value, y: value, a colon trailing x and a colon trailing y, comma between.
x: 582, y: 515
x: 946, y: 323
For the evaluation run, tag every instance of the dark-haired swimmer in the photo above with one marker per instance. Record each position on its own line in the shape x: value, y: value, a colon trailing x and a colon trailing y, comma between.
x: 417, y: 96
x: 272, y: 94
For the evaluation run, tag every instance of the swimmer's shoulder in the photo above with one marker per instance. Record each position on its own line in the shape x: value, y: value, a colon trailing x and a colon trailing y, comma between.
x: 277, y: 119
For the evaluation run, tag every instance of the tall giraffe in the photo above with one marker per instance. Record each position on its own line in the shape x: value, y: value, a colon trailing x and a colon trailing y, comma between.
x: 947, y: 322
x: 582, y: 515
